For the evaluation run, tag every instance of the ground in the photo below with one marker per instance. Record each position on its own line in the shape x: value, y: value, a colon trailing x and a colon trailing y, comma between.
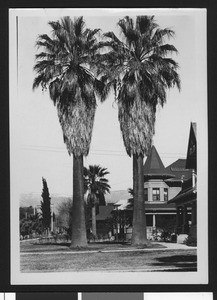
x: 107, y: 258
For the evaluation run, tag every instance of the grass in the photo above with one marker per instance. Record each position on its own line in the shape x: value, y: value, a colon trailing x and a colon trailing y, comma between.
x: 34, y: 247
x: 37, y: 258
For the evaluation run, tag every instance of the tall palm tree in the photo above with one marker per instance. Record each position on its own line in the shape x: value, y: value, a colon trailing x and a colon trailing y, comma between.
x: 139, y: 69
x: 64, y: 67
x: 96, y: 185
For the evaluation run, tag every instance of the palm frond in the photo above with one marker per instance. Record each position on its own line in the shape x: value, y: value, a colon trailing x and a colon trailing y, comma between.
x: 55, y: 25
x: 41, y: 65
x: 165, y: 50
x: 160, y: 34
x: 40, y: 79
x: 78, y: 26
x: 102, y: 89
x: 112, y: 36
x: 96, y: 183
x: 43, y: 55
x: 145, y: 24
x: 46, y: 42
x: 55, y: 90
x: 137, y: 125
x: 92, y: 33
x: 125, y: 24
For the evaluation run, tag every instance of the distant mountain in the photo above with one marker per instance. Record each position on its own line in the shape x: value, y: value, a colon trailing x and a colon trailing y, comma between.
x: 115, y: 196
x: 34, y: 200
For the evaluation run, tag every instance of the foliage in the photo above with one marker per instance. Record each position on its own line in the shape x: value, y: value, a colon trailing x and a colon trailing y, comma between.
x: 26, y: 211
x: 95, y: 184
x: 64, y: 217
x: 45, y: 205
x: 30, y: 225
x: 166, y: 227
x: 191, y: 240
x: 121, y: 219
x: 101, y: 199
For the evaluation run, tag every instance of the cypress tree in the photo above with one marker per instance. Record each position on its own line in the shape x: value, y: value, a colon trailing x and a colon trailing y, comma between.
x: 45, y: 205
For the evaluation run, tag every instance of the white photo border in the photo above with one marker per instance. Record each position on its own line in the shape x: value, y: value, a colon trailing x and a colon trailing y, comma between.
x: 114, y: 278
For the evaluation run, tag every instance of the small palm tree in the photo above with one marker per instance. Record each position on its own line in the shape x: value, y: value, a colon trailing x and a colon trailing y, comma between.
x: 64, y: 67
x: 96, y: 185
x: 139, y: 70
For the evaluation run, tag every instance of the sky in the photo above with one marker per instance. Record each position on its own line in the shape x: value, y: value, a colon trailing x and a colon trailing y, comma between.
x: 37, y: 148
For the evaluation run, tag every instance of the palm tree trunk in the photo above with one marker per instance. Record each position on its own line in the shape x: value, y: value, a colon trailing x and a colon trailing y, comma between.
x: 79, y: 236
x: 94, y: 221
x: 139, y: 237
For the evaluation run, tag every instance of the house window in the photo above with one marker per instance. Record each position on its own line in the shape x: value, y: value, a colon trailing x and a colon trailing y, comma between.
x: 146, y: 194
x: 156, y: 194
x: 165, y: 194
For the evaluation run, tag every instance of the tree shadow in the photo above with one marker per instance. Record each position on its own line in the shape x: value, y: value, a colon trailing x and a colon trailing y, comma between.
x: 180, y: 262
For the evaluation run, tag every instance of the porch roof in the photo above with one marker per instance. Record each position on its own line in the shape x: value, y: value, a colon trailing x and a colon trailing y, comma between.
x: 160, y: 207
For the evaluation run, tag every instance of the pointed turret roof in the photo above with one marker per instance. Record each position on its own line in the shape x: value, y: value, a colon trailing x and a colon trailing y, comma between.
x: 191, y: 162
x: 154, y: 167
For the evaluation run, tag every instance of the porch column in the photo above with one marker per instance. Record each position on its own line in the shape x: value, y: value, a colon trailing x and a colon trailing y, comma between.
x: 161, y: 194
x: 149, y: 194
x: 154, y: 221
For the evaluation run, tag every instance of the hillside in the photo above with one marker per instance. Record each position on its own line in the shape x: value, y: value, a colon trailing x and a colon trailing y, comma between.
x: 35, y: 199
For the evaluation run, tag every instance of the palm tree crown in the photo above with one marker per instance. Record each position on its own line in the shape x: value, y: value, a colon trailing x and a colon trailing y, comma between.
x: 96, y: 185
x: 95, y: 182
x: 140, y: 72
x: 64, y: 68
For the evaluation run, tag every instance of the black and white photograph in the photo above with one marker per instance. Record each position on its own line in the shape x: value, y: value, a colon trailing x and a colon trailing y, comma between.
x: 108, y: 146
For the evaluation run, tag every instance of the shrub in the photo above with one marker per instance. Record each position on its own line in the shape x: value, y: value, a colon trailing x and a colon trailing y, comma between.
x: 191, y: 241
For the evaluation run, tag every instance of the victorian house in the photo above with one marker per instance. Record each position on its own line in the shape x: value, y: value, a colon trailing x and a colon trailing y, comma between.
x: 160, y: 186
x: 186, y: 200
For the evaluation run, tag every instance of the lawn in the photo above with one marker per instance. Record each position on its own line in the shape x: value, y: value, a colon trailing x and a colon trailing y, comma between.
x: 58, y: 258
